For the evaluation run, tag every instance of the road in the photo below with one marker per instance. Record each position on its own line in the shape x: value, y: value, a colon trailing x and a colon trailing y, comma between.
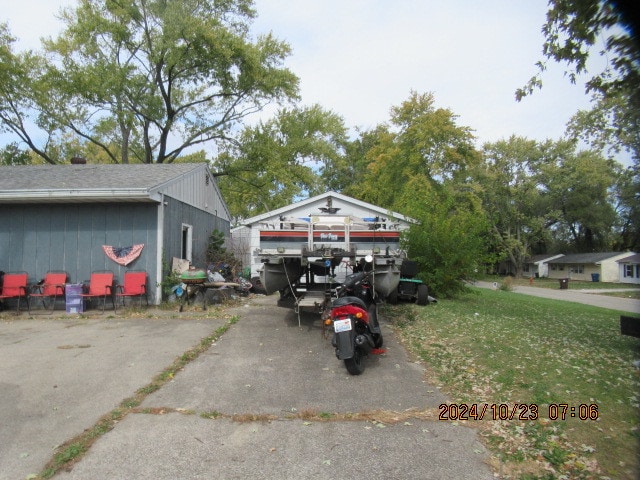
x: 587, y: 297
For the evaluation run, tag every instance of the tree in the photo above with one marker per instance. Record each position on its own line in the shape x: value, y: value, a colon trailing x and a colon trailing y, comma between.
x: 18, y: 91
x: 579, y: 188
x: 12, y: 155
x: 628, y: 209
x: 280, y: 160
x: 572, y: 31
x: 451, y: 240
x: 422, y: 140
x: 147, y: 80
x: 512, y: 200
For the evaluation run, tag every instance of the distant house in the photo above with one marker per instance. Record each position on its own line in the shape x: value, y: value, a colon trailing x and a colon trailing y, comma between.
x: 538, y: 265
x: 602, y: 266
x: 246, y: 238
x: 84, y: 218
x: 630, y: 269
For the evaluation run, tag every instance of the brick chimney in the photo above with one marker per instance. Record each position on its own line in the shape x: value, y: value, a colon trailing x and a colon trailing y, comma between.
x: 78, y: 161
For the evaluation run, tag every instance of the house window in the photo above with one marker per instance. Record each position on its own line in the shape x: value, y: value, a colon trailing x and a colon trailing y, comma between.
x: 638, y: 271
x: 526, y: 268
x: 628, y: 271
x: 186, y: 248
x: 577, y: 269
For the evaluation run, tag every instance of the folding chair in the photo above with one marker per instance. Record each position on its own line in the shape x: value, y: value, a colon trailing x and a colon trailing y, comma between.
x: 14, y: 285
x: 51, y: 288
x: 134, y: 285
x: 101, y: 285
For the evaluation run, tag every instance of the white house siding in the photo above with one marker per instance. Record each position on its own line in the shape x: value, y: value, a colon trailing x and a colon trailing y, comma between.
x: 241, y: 245
x: 630, y: 269
x: 609, y: 271
x: 574, y: 268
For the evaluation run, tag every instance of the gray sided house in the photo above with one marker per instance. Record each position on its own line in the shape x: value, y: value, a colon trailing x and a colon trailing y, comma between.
x: 602, y: 266
x: 66, y: 217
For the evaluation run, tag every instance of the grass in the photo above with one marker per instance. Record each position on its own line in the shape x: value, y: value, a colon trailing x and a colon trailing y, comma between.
x: 499, y: 347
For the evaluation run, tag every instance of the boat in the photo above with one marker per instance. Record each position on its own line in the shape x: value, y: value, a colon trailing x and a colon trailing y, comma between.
x: 295, y: 251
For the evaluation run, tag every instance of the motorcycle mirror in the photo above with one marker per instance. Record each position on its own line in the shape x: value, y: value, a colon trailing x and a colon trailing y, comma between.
x: 368, y: 258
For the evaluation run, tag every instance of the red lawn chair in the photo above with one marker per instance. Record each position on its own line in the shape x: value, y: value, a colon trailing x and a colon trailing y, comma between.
x: 14, y: 285
x: 51, y: 288
x: 135, y: 285
x: 101, y: 285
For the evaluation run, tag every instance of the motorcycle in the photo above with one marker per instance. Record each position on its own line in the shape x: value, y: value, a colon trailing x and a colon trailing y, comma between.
x: 354, y: 316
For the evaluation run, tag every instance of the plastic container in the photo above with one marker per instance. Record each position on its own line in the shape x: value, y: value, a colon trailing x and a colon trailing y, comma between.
x: 74, y: 302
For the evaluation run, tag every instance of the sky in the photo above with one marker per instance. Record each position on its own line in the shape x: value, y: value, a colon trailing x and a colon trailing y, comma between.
x: 360, y: 58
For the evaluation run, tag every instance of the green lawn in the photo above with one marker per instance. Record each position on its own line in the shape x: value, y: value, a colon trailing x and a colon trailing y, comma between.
x: 503, y: 348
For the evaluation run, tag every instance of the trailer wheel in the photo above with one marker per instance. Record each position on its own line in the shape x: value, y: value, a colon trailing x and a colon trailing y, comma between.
x: 257, y: 286
x: 423, y: 295
x: 392, y: 298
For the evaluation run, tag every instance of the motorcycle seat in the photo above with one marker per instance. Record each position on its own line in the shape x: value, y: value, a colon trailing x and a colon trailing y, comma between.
x: 342, y: 301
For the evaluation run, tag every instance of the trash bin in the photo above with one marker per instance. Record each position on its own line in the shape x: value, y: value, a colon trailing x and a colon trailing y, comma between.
x: 564, y: 283
x: 595, y: 277
x: 74, y: 302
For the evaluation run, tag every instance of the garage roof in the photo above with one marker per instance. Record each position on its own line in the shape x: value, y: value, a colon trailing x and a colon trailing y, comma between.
x: 89, y: 183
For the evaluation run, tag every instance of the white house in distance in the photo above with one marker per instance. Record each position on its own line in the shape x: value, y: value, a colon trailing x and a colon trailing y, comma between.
x: 245, y: 239
x: 602, y: 266
x: 630, y: 269
x: 538, y: 266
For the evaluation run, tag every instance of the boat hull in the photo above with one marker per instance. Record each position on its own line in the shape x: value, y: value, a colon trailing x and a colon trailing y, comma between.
x: 386, y: 279
x: 280, y: 273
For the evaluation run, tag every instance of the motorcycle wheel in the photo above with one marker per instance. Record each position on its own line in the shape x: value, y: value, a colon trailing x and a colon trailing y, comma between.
x: 355, y: 364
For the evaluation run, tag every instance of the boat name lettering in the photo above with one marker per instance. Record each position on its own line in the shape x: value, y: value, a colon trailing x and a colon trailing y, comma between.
x: 328, y: 236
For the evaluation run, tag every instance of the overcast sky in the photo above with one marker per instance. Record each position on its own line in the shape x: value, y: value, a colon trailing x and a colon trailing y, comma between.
x: 359, y: 58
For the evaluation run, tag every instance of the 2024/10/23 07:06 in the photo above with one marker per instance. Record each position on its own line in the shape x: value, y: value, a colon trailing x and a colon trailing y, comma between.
x: 517, y: 411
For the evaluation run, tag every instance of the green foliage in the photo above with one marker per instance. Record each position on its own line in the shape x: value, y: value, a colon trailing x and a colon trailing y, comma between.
x: 216, y: 243
x: 280, y: 160
x: 574, y: 32
x: 426, y: 142
x: 511, y: 198
x: 145, y: 80
x: 578, y: 189
x: 449, y: 243
x: 218, y: 254
x: 12, y: 155
x: 628, y: 189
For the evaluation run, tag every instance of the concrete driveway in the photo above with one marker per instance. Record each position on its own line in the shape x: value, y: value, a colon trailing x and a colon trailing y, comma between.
x: 267, y: 400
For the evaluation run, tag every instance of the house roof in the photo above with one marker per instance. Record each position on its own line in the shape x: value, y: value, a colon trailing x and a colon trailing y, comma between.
x: 81, y: 183
x: 635, y: 258
x: 584, y: 258
x: 545, y: 258
x: 323, y: 196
